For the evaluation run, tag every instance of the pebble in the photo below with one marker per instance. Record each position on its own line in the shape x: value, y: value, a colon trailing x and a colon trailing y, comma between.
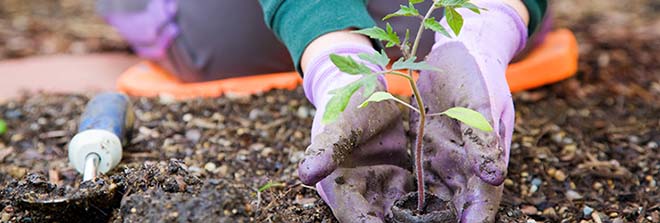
x: 210, y: 166
x: 586, y: 211
x: 303, y: 112
x: 573, y: 195
x: 267, y: 151
x: 5, y: 217
x: 530, y: 221
x: 222, y: 170
x: 549, y: 212
x: 254, y: 114
x: 193, y: 135
x: 529, y: 209
x: 597, y: 186
x: 560, y: 176
x: 508, y: 182
x: 187, y: 117
x: 165, y: 98
x: 596, y: 216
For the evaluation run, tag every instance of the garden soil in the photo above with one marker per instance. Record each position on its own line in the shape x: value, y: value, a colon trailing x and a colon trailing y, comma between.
x: 584, y: 149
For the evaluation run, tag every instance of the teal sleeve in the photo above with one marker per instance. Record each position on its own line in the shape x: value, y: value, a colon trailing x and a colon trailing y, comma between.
x: 537, y: 10
x: 298, y: 22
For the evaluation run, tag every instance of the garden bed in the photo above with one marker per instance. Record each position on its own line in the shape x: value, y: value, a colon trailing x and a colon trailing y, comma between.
x: 583, y: 149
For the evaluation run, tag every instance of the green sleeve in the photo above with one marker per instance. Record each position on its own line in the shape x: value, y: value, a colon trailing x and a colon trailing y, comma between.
x: 537, y: 10
x: 297, y: 22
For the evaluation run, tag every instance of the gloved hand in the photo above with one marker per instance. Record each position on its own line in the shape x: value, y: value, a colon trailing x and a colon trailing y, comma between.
x: 149, y: 26
x: 356, y: 162
x: 463, y: 164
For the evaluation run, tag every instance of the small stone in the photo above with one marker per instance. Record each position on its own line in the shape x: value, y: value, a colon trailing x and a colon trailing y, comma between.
x: 254, y: 114
x: 222, y: 170
x: 597, y: 186
x: 573, y: 195
x: 187, y: 117
x: 5, y: 217
x: 550, y: 213
x: 210, y: 166
x: 560, y: 176
x: 303, y: 112
x: 652, y: 145
x: 537, y: 181
x: 174, y: 214
x: 530, y: 221
x: 586, y: 210
x: 568, y: 152
x: 529, y: 209
x: 614, y: 215
x: 508, y: 182
x: 193, y: 135
x: 596, y: 216
x: 533, y: 189
x: 267, y: 151
x: 551, y: 172
x: 633, y: 139
x: 133, y: 210
x: 165, y: 98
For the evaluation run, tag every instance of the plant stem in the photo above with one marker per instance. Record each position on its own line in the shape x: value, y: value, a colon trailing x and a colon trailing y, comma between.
x: 419, y: 168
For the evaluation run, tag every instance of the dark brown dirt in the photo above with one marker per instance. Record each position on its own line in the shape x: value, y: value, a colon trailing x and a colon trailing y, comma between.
x: 584, y: 149
x: 435, y: 210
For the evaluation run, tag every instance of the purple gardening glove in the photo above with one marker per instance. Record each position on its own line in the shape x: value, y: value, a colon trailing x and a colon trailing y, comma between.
x: 356, y: 162
x: 463, y: 164
x: 149, y: 26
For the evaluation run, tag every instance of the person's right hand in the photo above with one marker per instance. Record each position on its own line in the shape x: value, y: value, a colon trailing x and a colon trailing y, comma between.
x: 149, y: 26
x: 358, y: 162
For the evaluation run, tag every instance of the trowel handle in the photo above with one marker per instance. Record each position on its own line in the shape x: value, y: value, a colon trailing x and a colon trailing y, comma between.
x: 108, y: 111
x: 103, y: 128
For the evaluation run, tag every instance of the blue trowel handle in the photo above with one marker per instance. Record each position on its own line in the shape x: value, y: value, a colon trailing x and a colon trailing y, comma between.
x: 108, y: 111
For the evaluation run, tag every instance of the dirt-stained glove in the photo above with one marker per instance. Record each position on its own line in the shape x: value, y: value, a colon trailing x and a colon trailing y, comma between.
x: 464, y: 164
x: 356, y: 162
x: 147, y: 25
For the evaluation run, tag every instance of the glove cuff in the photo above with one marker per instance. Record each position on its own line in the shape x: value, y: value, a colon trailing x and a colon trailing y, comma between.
x: 497, y: 31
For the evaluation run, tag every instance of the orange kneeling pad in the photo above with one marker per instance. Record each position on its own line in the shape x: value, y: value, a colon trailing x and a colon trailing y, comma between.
x: 554, y: 60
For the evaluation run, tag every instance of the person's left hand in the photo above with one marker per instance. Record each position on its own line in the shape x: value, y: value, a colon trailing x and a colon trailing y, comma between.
x: 461, y: 163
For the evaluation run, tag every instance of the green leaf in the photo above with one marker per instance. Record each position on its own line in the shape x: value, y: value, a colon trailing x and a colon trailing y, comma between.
x: 454, y: 19
x: 380, y: 59
x: 376, y: 97
x: 412, y: 65
x: 473, y: 7
x: 348, y: 65
x: 409, y: 10
x: 3, y: 127
x: 431, y: 24
x: 415, y: 1
x: 387, y: 35
x: 470, y: 117
x: 269, y: 185
x: 341, y: 97
x: 449, y: 3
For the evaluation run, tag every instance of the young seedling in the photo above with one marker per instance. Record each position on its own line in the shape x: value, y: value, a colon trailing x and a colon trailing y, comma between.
x: 347, y: 64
